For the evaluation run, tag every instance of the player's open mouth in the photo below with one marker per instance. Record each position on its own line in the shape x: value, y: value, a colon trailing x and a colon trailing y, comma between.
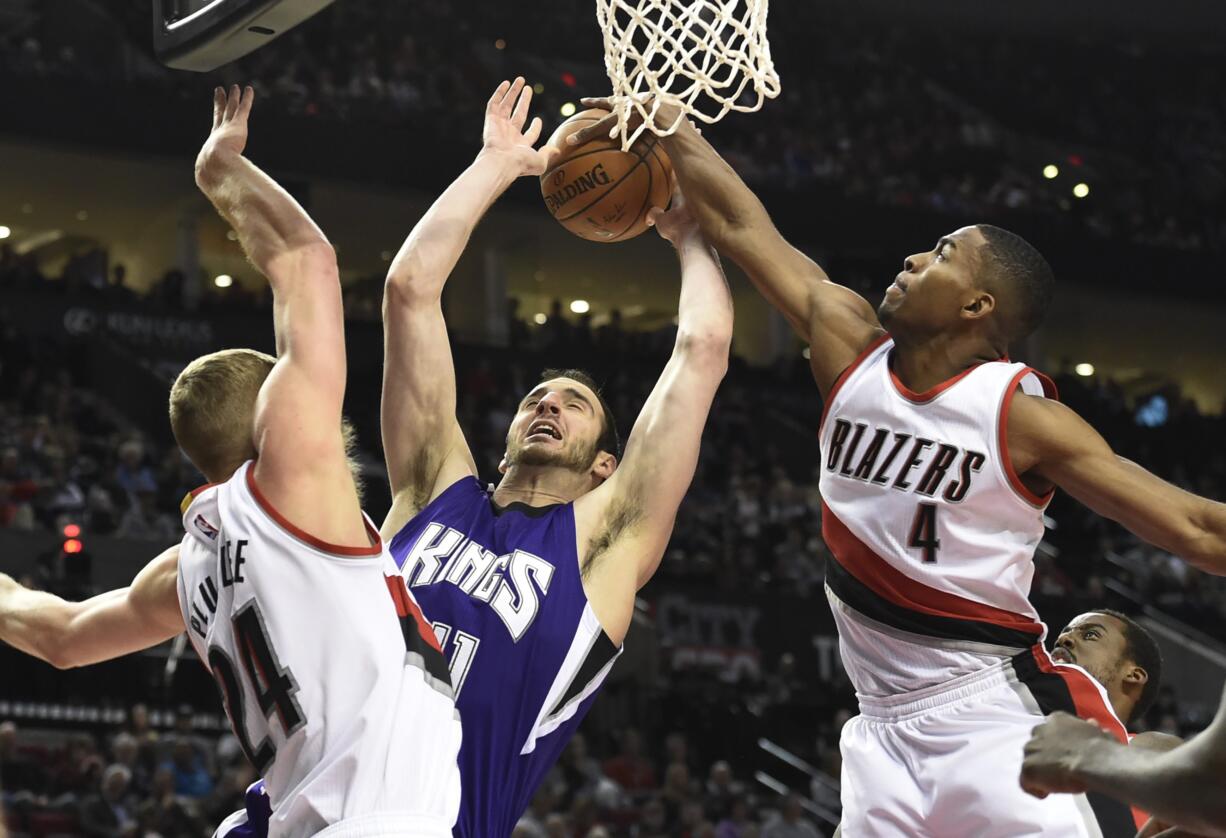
x: 543, y: 429
x: 1062, y: 655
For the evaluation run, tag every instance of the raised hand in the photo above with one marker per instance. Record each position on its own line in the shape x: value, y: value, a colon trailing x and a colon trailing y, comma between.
x: 230, y: 113
x: 675, y: 224
x: 504, y: 134
x: 665, y: 118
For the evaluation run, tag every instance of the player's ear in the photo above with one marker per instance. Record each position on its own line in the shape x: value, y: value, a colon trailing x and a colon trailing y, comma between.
x: 502, y: 465
x: 1136, y: 675
x: 604, y: 466
x: 980, y: 305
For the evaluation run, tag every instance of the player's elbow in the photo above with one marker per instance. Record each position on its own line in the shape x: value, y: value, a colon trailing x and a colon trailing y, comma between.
x: 59, y: 654
x: 410, y: 284
x: 707, y: 346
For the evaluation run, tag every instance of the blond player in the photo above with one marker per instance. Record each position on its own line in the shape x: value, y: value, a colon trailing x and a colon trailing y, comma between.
x: 331, y: 679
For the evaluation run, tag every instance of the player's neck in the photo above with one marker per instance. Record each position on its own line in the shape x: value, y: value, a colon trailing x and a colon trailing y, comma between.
x: 541, y: 486
x: 925, y: 363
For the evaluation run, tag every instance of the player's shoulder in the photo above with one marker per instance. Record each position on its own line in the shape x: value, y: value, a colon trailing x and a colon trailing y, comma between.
x: 201, y: 514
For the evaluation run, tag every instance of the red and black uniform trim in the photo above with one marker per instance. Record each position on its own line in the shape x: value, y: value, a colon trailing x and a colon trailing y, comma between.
x: 419, y: 638
x: 869, y: 584
x: 1066, y: 688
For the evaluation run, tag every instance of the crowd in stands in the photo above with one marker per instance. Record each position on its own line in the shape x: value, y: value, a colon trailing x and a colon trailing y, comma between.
x: 876, y: 120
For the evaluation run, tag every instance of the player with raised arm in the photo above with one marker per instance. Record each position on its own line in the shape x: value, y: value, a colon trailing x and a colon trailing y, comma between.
x: 330, y: 676
x: 532, y: 589
x: 939, y: 457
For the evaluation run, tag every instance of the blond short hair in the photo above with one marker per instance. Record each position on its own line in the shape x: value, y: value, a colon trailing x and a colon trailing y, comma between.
x: 212, y: 409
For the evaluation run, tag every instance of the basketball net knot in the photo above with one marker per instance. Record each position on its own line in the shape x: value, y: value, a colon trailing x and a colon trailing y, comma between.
x: 701, y: 55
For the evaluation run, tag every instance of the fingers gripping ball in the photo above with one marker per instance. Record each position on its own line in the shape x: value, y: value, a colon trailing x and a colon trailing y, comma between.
x: 599, y: 192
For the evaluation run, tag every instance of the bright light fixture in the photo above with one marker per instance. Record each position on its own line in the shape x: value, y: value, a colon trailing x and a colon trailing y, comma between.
x: 580, y: 306
x: 223, y: 280
x: 1084, y: 370
x: 1051, y: 171
x: 5, y: 232
x: 568, y: 109
x: 539, y: 318
x: 1081, y: 190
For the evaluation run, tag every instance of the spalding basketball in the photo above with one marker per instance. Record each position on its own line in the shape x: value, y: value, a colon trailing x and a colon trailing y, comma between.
x: 599, y: 192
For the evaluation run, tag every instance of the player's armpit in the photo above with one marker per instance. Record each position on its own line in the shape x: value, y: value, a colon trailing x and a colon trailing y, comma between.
x: 1049, y: 444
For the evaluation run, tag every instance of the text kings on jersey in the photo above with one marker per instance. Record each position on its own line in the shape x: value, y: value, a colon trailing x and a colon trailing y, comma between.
x: 513, y: 584
x: 901, y: 460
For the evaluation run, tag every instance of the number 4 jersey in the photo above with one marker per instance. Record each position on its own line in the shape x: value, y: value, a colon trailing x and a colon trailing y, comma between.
x: 334, y: 683
x: 932, y: 531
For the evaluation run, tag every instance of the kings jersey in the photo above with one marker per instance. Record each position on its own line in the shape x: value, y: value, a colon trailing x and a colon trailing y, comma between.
x: 527, y: 655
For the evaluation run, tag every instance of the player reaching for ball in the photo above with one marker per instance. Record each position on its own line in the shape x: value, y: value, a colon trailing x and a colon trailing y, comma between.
x: 939, y: 457
x: 532, y: 588
x: 332, y: 680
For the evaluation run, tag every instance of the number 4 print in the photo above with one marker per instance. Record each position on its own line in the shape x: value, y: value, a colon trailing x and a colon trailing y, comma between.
x: 924, y: 532
x: 459, y: 656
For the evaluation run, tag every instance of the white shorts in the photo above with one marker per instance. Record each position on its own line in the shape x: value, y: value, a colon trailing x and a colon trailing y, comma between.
x: 945, y: 762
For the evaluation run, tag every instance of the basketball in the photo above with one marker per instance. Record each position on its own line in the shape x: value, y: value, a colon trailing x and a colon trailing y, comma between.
x: 599, y: 192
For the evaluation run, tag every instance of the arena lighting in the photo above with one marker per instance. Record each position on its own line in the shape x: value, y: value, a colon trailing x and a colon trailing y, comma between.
x: 223, y: 280
x: 1084, y: 370
x: 82, y: 215
x: 71, y: 531
x: 569, y: 79
x: 5, y: 232
x: 1051, y: 171
x: 72, y: 545
x: 567, y: 110
x: 539, y: 318
x: 580, y: 306
x: 804, y: 353
x: 1081, y: 190
x: 500, y: 44
x: 538, y: 88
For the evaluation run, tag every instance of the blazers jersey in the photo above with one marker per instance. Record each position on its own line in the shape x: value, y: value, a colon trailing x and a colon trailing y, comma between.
x: 333, y: 682
x: 931, y: 529
x: 527, y: 654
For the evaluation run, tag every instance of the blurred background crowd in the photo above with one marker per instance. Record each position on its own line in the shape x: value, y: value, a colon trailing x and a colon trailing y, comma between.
x: 722, y: 719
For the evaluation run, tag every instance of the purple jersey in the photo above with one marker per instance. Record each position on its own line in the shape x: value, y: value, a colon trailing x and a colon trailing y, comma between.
x: 527, y: 655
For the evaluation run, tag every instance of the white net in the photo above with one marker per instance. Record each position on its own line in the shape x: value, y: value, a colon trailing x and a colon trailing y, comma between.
x: 707, y: 56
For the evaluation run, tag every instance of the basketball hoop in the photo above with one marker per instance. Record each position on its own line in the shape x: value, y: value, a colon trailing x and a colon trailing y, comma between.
x: 706, y: 56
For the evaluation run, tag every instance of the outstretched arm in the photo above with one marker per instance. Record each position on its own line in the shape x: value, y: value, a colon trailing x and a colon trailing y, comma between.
x: 1051, y: 443
x: 302, y: 466
x: 1185, y: 786
x: 67, y: 634
x: 837, y: 322
x: 634, y: 510
x: 424, y: 445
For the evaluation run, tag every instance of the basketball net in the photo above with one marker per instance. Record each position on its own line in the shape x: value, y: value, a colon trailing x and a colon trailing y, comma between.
x: 701, y: 55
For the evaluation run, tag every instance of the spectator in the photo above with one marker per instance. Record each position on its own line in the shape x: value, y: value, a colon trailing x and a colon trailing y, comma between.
x: 790, y: 822
x: 630, y: 769
x: 191, y: 777
x: 109, y: 814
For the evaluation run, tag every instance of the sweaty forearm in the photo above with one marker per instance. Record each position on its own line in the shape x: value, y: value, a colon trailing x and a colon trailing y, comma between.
x: 269, y: 222
x: 720, y: 201
x: 431, y: 251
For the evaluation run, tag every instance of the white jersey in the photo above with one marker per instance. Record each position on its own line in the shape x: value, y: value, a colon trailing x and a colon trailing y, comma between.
x: 932, y: 531
x: 332, y: 680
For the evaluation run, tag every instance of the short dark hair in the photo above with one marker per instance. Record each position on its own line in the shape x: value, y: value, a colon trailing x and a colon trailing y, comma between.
x: 1029, y: 278
x: 609, y: 441
x: 1143, y: 650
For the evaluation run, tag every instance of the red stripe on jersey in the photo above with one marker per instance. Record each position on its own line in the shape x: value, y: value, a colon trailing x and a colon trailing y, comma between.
x: 846, y: 374
x: 1002, y: 424
x: 1087, y: 697
x: 931, y: 393
x: 407, y: 607
x: 375, y: 548
x: 859, y: 560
